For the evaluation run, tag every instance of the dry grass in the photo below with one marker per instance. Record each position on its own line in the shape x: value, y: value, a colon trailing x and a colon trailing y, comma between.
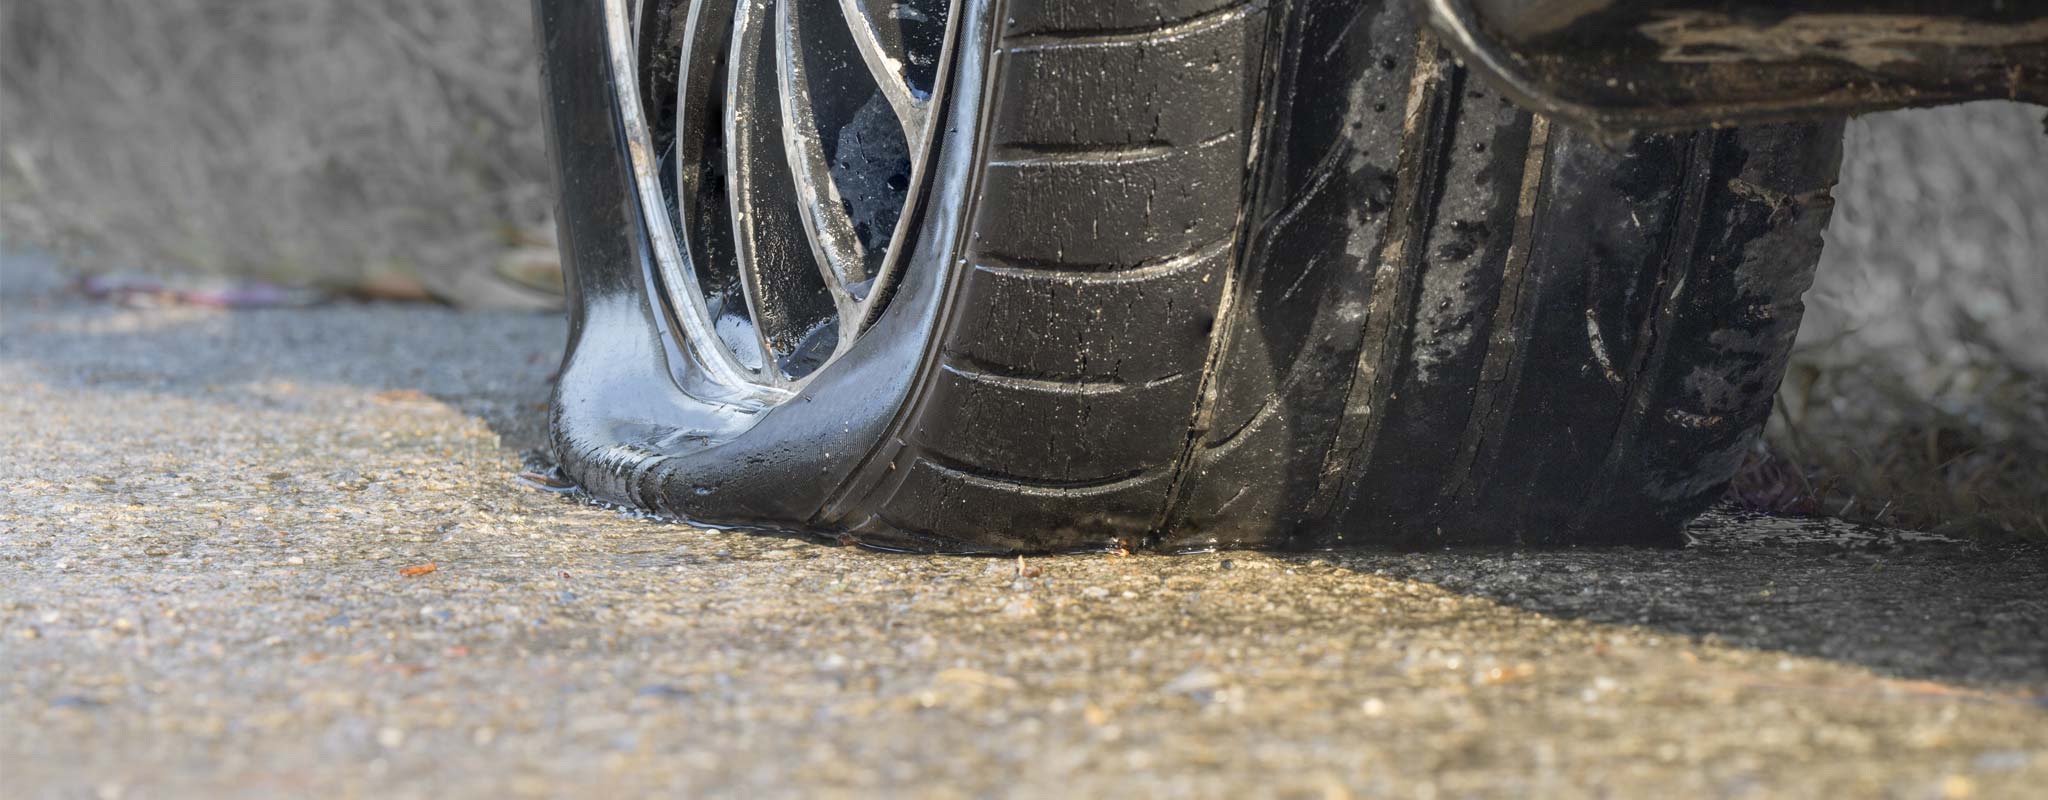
x: 1918, y: 395
x: 302, y: 140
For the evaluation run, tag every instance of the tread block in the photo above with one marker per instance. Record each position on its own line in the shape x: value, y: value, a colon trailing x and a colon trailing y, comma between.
x: 939, y: 499
x: 1055, y: 432
x: 1131, y: 325
x: 1168, y: 90
x: 1107, y: 213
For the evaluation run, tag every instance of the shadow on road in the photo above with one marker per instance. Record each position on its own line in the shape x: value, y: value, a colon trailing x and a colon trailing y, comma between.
x: 1902, y: 604
x: 496, y: 365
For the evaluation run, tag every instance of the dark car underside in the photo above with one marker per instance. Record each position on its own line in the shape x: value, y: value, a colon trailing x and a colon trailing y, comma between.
x: 1618, y: 66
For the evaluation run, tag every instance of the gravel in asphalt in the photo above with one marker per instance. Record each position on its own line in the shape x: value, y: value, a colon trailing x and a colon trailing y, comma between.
x: 215, y: 527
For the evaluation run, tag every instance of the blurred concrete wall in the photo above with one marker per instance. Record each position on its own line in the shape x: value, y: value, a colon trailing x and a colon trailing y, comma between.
x: 1932, y: 295
x: 303, y: 140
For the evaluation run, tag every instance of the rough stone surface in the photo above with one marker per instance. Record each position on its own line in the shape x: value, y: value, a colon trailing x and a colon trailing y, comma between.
x: 207, y: 515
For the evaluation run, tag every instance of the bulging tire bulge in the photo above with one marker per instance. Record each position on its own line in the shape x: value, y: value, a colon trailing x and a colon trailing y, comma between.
x: 1167, y: 275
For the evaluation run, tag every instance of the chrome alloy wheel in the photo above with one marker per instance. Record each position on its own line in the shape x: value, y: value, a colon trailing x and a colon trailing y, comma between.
x: 779, y: 149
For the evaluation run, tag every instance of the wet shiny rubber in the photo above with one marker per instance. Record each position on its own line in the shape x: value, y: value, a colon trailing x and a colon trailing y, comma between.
x: 1202, y: 273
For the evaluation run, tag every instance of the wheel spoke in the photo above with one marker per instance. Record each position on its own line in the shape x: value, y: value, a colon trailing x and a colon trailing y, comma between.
x: 879, y: 37
x: 926, y: 25
x: 834, y: 241
x: 703, y: 218
x: 721, y: 364
x: 794, y: 313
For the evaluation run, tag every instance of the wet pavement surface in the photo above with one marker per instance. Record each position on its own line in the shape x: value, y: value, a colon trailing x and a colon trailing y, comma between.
x: 214, y: 529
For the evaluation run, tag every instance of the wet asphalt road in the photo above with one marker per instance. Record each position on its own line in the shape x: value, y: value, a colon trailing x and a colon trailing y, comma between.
x: 207, y: 520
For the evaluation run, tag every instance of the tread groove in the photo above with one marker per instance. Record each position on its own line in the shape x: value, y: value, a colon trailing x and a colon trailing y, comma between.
x: 1033, y: 154
x: 996, y: 479
x: 1511, y: 319
x: 1425, y: 143
x: 984, y: 372
x: 1096, y: 37
x: 1024, y: 266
